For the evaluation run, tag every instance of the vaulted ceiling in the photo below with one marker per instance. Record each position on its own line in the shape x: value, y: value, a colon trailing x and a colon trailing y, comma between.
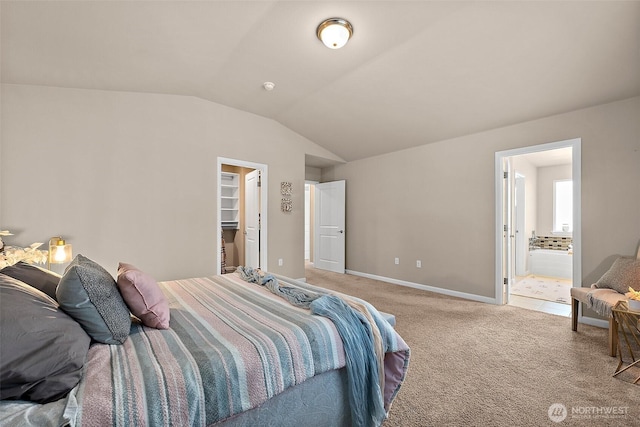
x: 415, y: 72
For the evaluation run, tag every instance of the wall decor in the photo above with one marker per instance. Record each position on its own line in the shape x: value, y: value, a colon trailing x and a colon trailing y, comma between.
x: 286, y: 205
x: 285, y: 188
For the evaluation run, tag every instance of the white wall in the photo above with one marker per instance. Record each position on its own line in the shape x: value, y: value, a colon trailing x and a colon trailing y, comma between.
x: 132, y: 177
x: 139, y: 185
x: 436, y: 202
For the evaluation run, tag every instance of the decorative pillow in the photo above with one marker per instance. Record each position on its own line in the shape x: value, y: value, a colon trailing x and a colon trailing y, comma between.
x: 143, y: 296
x: 41, y: 279
x: 42, y: 349
x: 623, y: 273
x: 88, y: 293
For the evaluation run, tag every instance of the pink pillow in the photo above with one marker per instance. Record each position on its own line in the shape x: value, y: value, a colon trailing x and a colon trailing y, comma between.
x: 143, y: 296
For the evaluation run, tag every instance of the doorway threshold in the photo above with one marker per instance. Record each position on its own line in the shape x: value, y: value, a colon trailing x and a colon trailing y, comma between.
x: 535, y: 304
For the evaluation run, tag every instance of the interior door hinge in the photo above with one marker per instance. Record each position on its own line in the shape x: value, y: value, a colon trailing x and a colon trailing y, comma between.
x: 505, y: 227
x: 506, y: 175
x: 506, y: 281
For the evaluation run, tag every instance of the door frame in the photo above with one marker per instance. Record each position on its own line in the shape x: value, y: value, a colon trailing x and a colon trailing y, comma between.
x: 576, y: 171
x: 506, y: 229
x: 309, y: 215
x: 263, y: 208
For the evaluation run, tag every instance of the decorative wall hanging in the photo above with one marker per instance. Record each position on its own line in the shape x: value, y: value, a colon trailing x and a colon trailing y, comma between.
x: 286, y: 205
x: 285, y: 188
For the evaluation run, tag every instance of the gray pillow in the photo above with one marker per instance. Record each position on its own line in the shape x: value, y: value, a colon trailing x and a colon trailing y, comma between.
x: 41, y: 279
x: 623, y: 273
x: 88, y: 293
x: 42, y: 349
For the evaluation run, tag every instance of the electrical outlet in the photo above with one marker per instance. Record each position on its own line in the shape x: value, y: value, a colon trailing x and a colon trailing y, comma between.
x: 280, y: 262
x: 397, y: 261
x: 419, y: 264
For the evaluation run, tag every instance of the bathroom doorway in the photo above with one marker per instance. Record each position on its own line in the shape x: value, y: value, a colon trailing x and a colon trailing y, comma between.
x: 538, y: 254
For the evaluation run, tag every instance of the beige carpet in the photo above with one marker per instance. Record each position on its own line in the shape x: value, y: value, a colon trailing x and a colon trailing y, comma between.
x: 476, y: 364
x: 544, y: 288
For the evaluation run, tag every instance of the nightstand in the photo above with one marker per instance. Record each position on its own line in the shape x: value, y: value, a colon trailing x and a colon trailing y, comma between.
x: 628, y: 337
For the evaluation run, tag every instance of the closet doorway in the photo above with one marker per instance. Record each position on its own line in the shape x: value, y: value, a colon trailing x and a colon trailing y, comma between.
x: 242, y: 215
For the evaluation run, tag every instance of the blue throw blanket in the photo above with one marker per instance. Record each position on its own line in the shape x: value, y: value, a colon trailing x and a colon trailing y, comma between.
x: 365, y: 396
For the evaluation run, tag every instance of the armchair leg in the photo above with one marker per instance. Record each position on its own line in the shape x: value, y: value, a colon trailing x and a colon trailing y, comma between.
x: 613, y: 337
x: 575, y: 306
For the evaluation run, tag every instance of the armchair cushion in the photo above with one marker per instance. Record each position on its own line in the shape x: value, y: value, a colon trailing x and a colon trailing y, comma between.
x: 624, y: 273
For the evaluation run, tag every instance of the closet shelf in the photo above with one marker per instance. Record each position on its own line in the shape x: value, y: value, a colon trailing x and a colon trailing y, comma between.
x: 229, y: 199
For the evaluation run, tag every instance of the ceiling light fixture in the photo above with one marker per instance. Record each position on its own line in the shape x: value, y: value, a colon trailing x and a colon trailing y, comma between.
x: 334, y: 32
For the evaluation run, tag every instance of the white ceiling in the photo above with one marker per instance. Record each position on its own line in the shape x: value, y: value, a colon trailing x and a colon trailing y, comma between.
x: 415, y: 72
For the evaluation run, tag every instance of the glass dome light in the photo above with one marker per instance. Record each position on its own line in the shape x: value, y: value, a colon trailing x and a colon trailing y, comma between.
x: 334, y: 32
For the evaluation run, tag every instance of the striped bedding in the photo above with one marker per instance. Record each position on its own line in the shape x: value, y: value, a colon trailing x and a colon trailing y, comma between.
x: 231, y: 346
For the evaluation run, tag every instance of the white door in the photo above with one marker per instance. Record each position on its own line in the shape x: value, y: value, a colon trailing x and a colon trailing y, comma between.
x: 507, y: 230
x: 252, y: 219
x: 329, y: 221
x: 521, y: 238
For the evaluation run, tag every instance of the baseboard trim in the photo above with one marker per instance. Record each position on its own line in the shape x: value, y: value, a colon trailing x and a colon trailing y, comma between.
x: 600, y: 323
x: 437, y: 290
x: 592, y: 321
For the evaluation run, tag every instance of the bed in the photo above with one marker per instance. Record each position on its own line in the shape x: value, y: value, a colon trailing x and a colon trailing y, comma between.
x: 241, y: 349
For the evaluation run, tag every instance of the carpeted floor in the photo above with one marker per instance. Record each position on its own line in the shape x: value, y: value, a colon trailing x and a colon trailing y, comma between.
x: 476, y: 364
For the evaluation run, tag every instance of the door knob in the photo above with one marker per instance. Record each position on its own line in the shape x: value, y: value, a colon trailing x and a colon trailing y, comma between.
x: 340, y: 231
